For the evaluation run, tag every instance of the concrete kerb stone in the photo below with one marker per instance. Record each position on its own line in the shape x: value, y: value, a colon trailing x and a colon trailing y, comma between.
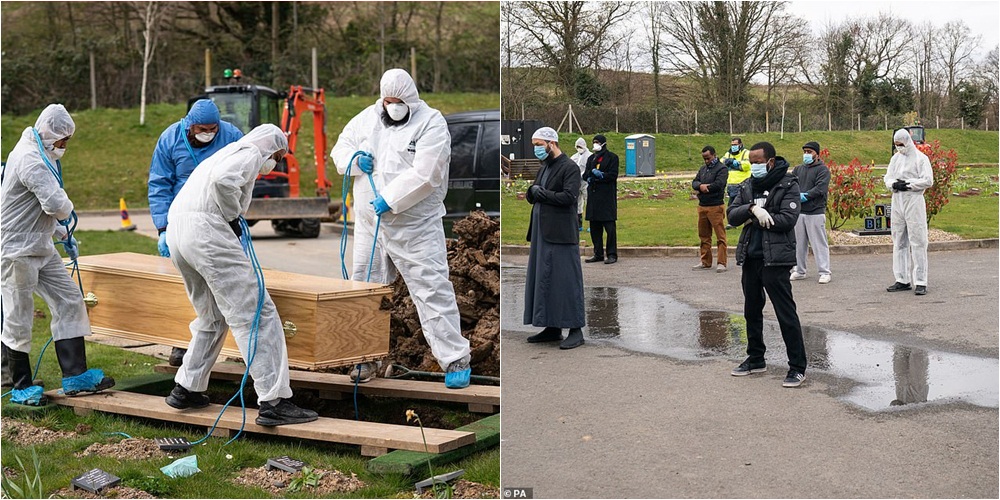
x: 935, y: 246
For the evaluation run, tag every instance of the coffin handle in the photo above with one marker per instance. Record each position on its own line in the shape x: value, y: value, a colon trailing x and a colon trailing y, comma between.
x: 290, y: 329
x: 90, y: 299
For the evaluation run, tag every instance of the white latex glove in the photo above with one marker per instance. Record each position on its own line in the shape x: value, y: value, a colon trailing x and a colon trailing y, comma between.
x: 762, y: 216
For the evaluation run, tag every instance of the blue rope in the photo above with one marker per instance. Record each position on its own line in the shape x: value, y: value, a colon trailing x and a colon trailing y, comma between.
x: 247, y: 245
x: 345, y: 190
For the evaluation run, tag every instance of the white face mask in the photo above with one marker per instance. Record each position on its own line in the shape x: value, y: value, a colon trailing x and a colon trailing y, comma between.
x: 901, y: 149
x: 397, y: 110
x: 579, y: 150
x: 56, y: 153
x: 597, y: 147
x: 268, y: 166
x: 205, y: 137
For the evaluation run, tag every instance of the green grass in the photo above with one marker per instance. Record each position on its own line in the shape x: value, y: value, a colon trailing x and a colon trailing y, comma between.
x: 109, y: 155
x: 672, y: 221
x: 217, y: 470
x: 681, y: 153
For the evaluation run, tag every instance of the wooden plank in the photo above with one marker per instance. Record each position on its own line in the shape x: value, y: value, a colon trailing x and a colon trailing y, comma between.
x: 398, y: 437
x: 373, y: 451
x: 412, y: 389
x: 410, y: 463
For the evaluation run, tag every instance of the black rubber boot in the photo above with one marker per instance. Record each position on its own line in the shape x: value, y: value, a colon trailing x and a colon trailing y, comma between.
x: 19, y: 364
x: 183, y: 399
x: 72, y: 356
x: 6, y: 378
x: 574, y: 339
x: 549, y: 334
x: 177, y: 356
x: 283, y: 412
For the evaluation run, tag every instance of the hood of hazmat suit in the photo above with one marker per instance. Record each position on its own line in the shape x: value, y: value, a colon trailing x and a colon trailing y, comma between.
x: 581, y: 158
x: 32, y: 200
x: 911, y: 166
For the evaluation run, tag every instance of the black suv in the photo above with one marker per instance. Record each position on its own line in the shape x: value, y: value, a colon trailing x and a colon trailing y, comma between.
x: 474, y: 174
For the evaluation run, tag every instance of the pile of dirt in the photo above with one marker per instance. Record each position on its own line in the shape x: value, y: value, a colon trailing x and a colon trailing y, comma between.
x: 126, y: 449
x: 24, y: 434
x: 849, y: 238
x: 467, y: 489
x: 474, y: 262
x: 277, y: 481
x: 116, y: 492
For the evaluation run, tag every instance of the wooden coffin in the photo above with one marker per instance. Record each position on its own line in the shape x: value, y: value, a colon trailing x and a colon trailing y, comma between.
x: 142, y: 297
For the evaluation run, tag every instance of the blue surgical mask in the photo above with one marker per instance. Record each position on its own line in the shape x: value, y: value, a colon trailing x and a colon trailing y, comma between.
x: 541, y: 153
x: 758, y: 170
x: 734, y: 149
x: 807, y: 158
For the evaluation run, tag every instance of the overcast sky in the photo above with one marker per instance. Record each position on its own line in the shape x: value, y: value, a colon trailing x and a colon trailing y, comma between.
x: 982, y: 17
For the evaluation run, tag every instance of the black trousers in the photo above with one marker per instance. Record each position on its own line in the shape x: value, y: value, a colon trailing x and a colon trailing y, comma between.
x: 757, y: 279
x: 597, y: 229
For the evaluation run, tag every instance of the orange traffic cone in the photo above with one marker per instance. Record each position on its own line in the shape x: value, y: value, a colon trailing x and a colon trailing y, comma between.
x: 126, y: 221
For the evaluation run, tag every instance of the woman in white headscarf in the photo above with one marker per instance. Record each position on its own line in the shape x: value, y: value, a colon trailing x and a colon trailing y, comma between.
x: 908, y: 176
x: 33, y: 205
x: 204, y: 240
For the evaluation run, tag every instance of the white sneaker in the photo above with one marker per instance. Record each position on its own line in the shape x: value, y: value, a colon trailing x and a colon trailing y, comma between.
x: 720, y: 268
x: 824, y: 279
x: 795, y: 276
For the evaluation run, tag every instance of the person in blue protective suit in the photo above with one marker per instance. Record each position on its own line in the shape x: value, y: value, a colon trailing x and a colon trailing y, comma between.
x: 34, y: 207
x: 220, y: 281
x: 405, y: 146
x: 181, y: 147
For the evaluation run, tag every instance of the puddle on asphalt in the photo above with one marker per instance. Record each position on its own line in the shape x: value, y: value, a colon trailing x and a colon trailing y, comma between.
x: 885, y: 374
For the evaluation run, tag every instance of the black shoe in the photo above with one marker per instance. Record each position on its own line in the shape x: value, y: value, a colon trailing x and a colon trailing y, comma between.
x: 573, y: 340
x: 177, y: 356
x: 183, y: 399
x: 611, y: 260
x: 283, y: 413
x: 793, y: 379
x: 746, y: 368
x: 921, y: 290
x: 594, y: 259
x: 549, y: 334
x: 898, y: 287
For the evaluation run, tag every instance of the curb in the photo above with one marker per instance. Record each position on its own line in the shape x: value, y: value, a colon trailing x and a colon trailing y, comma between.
x: 935, y: 246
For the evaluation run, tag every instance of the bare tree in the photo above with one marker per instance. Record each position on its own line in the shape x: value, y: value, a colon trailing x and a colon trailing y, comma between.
x: 724, y: 45
x: 956, y: 46
x: 152, y: 14
x: 566, y: 36
x: 652, y: 21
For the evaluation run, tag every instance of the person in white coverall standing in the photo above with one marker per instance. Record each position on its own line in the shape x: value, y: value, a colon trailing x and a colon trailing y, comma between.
x: 205, y: 246
x: 404, y: 145
x: 581, y: 157
x: 908, y: 176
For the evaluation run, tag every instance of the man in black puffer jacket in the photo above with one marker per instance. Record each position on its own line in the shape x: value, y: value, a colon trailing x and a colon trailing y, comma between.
x: 768, y: 204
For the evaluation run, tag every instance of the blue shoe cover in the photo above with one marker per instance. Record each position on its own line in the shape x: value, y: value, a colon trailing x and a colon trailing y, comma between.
x: 87, y: 381
x: 31, y: 396
x: 458, y: 380
x: 182, y: 467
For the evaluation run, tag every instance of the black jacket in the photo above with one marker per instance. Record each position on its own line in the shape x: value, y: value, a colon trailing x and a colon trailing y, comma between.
x: 556, y: 200
x: 814, y: 180
x: 715, y: 175
x: 783, y: 205
x: 602, y: 194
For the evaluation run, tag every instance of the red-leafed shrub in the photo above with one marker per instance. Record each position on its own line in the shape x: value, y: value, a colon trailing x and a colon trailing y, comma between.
x: 943, y: 163
x: 852, y: 191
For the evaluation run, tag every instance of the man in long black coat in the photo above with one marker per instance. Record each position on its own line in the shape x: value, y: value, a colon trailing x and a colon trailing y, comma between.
x: 553, y: 284
x: 602, y: 200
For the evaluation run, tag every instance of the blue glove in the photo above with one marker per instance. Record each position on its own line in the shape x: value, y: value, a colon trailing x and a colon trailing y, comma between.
x: 72, y: 248
x: 365, y: 162
x: 597, y: 173
x: 162, y: 245
x: 803, y: 197
x: 380, y: 205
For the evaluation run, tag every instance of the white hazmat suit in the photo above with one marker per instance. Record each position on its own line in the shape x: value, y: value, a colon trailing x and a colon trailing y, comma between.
x: 218, y: 276
x: 909, y: 211
x: 581, y: 158
x: 411, y: 163
x: 32, y: 204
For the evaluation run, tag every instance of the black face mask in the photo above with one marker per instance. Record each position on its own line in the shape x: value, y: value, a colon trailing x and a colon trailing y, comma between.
x: 389, y: 122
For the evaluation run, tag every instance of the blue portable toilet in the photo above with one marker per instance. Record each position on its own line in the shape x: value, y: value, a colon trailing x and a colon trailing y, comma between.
x: 640, y: 155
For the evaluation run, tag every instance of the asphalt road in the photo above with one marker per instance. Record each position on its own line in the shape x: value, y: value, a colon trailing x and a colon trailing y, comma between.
x: 604, y: 421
